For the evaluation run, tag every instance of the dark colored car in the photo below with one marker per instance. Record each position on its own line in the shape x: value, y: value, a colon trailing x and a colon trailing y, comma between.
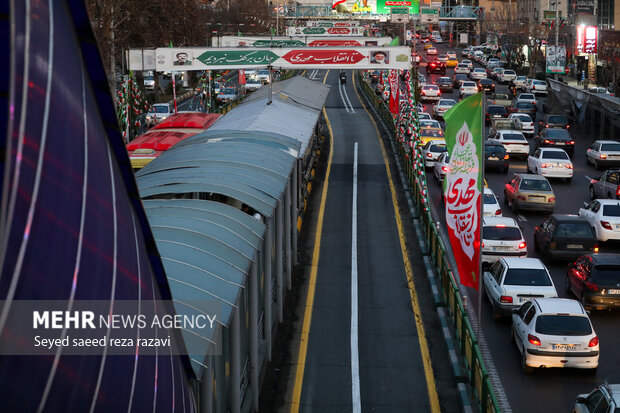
x: 553, y: 121
x: 495, y: 156
x: 565, y: 237
x: 555, y: 138
x: 606, y: 186
x: 374, y: 76
x: 487, y: 85
x: 493, y: 112
x: 458, y: 79
x: 595, y: 280
x: 445, y: 84
x: 524, y: 107
x: 436, y: 67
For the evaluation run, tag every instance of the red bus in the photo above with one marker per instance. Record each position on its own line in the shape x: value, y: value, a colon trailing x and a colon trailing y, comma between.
x: 167, y: 133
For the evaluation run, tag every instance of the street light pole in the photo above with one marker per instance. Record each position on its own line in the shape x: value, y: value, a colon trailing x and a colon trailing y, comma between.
x: 557, y: 32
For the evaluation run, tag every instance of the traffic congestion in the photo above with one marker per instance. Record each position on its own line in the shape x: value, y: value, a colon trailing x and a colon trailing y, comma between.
x: 550, y: 230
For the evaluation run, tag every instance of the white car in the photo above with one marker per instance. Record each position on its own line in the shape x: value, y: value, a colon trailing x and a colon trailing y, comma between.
x: 462, y: 68
x: 252, y: 84
x: 264, y: 76
x: 501, y: 237
x: 554, y: 332
x: 514, y: 142
x: 604, y: 216
x: 510, y: 282
x: 441, y: 165
x: 604, y: 152
x: 430, y: 92
x: 490, y: 206
x: 468, y: 88
x: 527, y: 97
x: 424, y: 115
x: 158, y: 112
x: 496, y: 73
x: 431, y: 151
x: 429, y: 123
x: 451, y: 55
x: 478, y: 73
x: 468, y: 63
x: 551, y: 163
x: 536, y: 86
x: 519, y: 82
x: 494, y: 61
x: 523, y: 122
x: 431, y: 51
x: 507, y: 76
x: 606, y: 395
x: 442, y: 106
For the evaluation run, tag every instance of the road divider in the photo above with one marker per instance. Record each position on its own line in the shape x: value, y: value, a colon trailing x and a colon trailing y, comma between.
x: 473, y: 377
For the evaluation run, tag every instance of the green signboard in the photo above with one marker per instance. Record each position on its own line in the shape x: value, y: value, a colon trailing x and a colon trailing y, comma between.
x: 234, y: 57
x: 429, y: 11
x: 278, y: 43
x: 313, y: 30
x: 399, y: 10
x: 384, y: 6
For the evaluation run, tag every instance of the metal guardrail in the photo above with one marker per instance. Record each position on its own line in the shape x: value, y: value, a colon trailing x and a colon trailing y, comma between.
x: 476, y: 375
x: 325, y: 11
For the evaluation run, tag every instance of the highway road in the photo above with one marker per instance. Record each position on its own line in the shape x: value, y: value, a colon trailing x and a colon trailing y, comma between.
x: 388, y: 359
x: 552, y: 390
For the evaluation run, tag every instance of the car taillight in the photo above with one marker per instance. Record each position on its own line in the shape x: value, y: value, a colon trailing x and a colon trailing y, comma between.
x: 482, y: 245
x: 521, y: 197
x: 551, y: 199
x: 522, y: 245
x: 498, y: 212
x: 618, y: 191
x: 545, y: 165
x: 567, y: 126
x: 423, y: 93
x: 571, y: 142
x: 534, y: 102
x: 533, y: 340
x: 569, y: 166
x: 605, y: 225
x: 444, y: 168
x: 506, y: 156
x: 595, y: 249
x: 603, y: 156
x: 552, y: 245
x: 548, y: 141
x: 505, y: 299
x: 593, y: 342
x: 430, y: 155
x: 591, y: 286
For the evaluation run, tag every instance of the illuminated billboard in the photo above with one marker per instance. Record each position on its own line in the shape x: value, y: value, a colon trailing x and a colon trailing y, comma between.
x: 587, y: 39
x: 374, y: 6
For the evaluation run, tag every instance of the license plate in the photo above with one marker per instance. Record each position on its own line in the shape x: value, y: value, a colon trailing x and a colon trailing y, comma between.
x: 560, y: 143
x: 613, y: 291
x: 495, y: 158
x: 524, y: 299
x: 501, y: 248
x: 576, y: 246
x: 537, y: 198
x: 563, y: 347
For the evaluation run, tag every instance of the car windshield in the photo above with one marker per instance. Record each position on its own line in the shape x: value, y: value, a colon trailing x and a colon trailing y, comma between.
x: 447, y: 102
x: 263, y: 72
x: 253, y: 81
x: 489, y: 199
x: 558, y: 133
x: 430, y: 87
x: 527, y: 96
x: 557, y: 119
x: 606, y: 274
x: 513, y: 137
x: 158, y: 109
x: 501, y: 233
x: 554, y: 155
x: 495, y: 110
x: 429, y: 123
x: 563, y: 325
x: 469, y: 84
x: 610, y: 147
x: 527, y: 276
x: 611, y: 210
x: 535, y: 185
x: 521, y: 78
x: 440, y: 147
x: 575, y: 230
x: 524, y: 118
x: 509, y: 72
x: 539, y: 83
x: 525, y: 105
x: 228, y: 91
x: 494, y: 149
x: 501, y: 96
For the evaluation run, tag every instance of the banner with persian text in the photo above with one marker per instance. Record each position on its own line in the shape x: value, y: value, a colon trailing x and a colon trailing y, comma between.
x: 287, y: 41
x: 202, y: 58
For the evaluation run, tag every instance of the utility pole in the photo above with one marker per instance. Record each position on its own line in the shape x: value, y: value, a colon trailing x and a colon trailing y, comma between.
x: 557, y: 32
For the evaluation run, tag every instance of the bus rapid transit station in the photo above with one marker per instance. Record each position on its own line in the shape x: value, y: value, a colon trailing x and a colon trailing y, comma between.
x: 224, y: 206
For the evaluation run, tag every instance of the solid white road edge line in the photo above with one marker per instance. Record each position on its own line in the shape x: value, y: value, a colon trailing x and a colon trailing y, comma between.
x: 355, y: 361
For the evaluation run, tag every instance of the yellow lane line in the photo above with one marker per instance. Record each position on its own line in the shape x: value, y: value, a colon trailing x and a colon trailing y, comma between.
x: 426, y: 358
x: 305, y: 330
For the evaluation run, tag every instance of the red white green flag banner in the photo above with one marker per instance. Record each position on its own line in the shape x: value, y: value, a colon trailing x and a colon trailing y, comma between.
x: 204, y: 58
x: 394, y: 91
x: 463, y: 186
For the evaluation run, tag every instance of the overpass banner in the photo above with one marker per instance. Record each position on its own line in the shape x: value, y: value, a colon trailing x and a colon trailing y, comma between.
x: 266, y: 41
x: 374, y: 6
x: 324, y: 31
x: 202, y: 58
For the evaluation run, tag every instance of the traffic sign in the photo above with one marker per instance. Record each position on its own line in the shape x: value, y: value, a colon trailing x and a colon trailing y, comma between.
x: 429, y: 15
x: 399, y: 14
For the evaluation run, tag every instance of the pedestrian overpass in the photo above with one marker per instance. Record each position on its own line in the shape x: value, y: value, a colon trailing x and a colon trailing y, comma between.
x: 324, y: 11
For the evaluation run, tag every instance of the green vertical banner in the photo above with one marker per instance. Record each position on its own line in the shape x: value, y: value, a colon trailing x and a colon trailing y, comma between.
x: 463, y: 186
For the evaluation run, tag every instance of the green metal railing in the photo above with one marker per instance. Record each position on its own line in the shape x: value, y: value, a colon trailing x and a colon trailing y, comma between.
x: 475, y: 372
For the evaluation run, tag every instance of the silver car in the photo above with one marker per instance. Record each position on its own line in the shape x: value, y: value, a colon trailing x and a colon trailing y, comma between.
x: 606, y: 186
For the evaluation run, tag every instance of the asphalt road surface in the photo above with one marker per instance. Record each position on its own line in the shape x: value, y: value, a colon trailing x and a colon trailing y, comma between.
x: 551, y: 390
